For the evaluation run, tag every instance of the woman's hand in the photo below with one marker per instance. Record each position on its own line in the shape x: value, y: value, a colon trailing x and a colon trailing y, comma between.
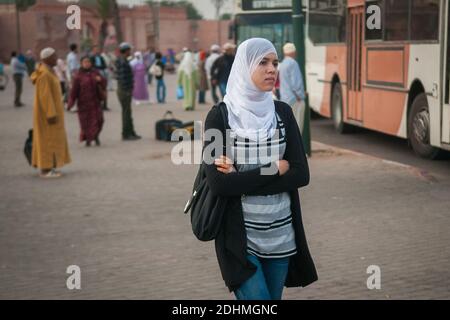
x: 224, y: 165
x: 283, y: 166
x: 98, y: 78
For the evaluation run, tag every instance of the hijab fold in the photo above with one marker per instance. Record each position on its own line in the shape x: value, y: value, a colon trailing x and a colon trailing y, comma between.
x: 187, y: 63
x: 251, y: 112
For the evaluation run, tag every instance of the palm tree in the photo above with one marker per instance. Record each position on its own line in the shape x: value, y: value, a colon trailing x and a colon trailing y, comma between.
x: 218, y: 4
x: 21, y: 5
x: 107, y: 9
x: 104, y: 13
x: 117, y: 25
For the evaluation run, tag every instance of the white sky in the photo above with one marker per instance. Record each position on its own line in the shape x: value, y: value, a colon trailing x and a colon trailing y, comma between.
x: 205, y: 7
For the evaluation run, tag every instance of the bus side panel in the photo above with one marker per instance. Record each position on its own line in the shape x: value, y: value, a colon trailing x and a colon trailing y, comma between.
x: 335, y: 65
x: 385, y: 73
x: 424, y: 66
x: 315, y: 74
x: 384, y: 110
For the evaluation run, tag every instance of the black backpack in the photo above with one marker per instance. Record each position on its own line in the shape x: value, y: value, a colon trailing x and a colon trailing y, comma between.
x: 166, y: 126
x: 207, y: 210
x: 28, y: 147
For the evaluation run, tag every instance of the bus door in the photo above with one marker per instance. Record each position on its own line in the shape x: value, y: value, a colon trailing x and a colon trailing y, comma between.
x: 446, y: 80
x: 355, y: 29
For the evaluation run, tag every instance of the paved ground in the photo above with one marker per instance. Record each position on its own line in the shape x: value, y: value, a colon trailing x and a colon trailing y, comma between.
x: 117, y: 213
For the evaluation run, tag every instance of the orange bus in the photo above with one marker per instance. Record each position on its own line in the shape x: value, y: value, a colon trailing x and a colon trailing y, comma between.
x: 393, y: 78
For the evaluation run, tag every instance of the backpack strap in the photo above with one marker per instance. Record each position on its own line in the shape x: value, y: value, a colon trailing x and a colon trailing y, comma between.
x: 223, y: 111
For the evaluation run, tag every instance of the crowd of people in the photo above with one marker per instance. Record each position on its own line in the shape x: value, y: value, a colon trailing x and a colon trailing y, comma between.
x: 83, y: 82
x: 202, y: 71
x: 251, y: 107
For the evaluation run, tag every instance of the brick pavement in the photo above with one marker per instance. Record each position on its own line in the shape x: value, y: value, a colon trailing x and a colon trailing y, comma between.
x: 117, y: 213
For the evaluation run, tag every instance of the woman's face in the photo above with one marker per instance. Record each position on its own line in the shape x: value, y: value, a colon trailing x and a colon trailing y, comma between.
x: 266, y: 73
x: 86, y: 63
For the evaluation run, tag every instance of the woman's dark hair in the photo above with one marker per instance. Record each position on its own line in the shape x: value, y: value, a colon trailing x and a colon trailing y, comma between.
x: 85, y: 57
x: 158, y: 55
x: 13, y: 54
x: 73, y: 47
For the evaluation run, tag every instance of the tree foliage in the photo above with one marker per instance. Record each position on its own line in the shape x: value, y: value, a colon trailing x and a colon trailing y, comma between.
x: 191, y: 10
x: 23, y: 5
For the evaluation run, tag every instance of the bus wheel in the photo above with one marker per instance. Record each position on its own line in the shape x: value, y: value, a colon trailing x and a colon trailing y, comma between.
x: 337, y: 110
x: 419, y: 128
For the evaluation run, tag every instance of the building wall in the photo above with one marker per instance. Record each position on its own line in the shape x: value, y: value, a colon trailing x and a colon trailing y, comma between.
x: 44, y: 25
x: 196, y: 35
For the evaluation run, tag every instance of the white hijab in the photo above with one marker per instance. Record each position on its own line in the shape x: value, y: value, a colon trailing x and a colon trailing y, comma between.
x: 137, y: 58
x: 187, y: 64
x: 251, y: 112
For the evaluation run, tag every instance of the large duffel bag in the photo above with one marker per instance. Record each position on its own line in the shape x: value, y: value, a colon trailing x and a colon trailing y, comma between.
x: 166, y: 126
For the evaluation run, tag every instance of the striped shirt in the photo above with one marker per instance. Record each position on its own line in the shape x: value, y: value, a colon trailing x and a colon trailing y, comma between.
x: 268, y: 219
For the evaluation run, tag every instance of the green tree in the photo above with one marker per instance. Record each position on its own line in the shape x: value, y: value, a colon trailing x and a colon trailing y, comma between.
x: 117, y: 24
x: 191, y: 11
x: 107, y: 9
x: 21, y: 5
x: 104, y: 13
x: 225, y: 16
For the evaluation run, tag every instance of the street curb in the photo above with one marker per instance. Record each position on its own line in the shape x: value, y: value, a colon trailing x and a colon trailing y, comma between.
x: 420, y: 173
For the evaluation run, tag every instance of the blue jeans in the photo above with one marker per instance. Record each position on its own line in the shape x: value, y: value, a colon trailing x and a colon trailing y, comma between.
x: 160, y: 91
x: 267, y: 282
x: 223, y: 88
x: 201, y: 96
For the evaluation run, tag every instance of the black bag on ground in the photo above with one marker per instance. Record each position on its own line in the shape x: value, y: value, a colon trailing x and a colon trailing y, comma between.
x: 166, y: 126
x: 207, y: 210
x: 28, y: 148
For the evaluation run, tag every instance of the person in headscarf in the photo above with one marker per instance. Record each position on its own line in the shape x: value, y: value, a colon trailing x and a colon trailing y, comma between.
x: 188, y: 79
x: 140, y: 88
x: 261, y: 246
x: 50, y: 148
x: 203, y: 81
x: 61, y: 72
x: 88, y: 91
x: 213, y: 56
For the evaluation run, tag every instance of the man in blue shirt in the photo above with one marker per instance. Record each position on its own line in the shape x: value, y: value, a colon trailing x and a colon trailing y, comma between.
x: 19, y: 70
x: 291, y: 83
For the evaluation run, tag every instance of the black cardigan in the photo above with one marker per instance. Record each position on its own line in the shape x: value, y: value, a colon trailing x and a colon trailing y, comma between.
x: 231, y: 243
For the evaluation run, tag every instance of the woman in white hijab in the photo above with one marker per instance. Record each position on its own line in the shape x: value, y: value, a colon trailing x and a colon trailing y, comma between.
x: 188, y: 80
x: 140, y: 88
x: 261, y: 246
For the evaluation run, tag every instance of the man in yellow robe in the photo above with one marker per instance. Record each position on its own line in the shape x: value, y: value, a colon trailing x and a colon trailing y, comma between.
x: 50, y: 148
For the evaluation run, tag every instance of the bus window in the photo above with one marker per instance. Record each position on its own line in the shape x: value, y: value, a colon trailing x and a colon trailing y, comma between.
x: 276, y: 27
x: 396, y: 20
x: 326, y: 21
x: 424, y: 19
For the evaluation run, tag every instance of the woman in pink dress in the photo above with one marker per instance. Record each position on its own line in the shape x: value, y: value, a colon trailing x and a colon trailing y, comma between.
x: 140, y: 90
